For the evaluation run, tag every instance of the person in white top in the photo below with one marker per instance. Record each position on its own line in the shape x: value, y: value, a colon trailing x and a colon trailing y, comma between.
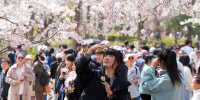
x: 187, y: 48
x: 185, y: 60
x: 196, y: 87
x: 19, y: 76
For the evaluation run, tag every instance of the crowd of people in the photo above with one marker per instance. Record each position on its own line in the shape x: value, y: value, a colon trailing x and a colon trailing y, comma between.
x: 101, y: 72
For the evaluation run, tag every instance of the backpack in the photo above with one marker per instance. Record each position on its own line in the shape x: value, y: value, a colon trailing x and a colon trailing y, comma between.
x: 45, y: 78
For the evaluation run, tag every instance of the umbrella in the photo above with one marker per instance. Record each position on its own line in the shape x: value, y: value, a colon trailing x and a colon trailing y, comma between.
x: 92, y: 41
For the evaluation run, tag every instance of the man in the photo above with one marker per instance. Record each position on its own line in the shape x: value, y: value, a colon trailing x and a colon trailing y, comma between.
x: 78, y: 48
x: 131, y: 47
x: 19, y: 49
x: 126, y: 43
x: 4, y: 86
x: 187, y: 48
x: 174, y: 44
x: 196, y: 44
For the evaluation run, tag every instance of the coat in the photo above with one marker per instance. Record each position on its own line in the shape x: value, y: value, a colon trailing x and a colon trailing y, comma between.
x: 161, y: 88
x: 12, y: 77
x: 4, y: 86
x: 92, y: 83
x: 38, y: 70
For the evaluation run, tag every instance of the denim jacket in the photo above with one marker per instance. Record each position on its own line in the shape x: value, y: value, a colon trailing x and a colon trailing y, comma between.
x: 161, y: 88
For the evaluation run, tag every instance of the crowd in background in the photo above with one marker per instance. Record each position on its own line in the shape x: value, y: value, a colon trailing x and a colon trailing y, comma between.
x: 101, y: 72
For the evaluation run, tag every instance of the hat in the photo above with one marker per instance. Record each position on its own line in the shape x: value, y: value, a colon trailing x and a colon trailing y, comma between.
x: 29, y: 57
x: 139, y: 55
x: 129, y: 55
x: 152, y: 49
x: 144, y: 52
x: 196, y: 42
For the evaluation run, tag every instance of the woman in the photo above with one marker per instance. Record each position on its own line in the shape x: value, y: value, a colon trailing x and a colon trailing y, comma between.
x: 170, y: 84
x: 133, y: 76
x: 185, y: 60
x: 19, y: 76
x: 65, y: 74
x: 38, y: 69
x: 143, y: 93
x: 102, y: 85
x: 95, y: 63
x: 29, y: 61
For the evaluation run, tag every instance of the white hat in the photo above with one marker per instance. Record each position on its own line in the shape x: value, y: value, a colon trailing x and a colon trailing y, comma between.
x: 128, y: 55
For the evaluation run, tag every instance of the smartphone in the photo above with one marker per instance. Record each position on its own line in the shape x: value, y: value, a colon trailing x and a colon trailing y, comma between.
x: 22, y: 79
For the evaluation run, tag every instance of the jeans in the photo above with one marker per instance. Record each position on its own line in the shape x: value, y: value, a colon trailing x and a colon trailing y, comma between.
x: 20, y: 97
x: 45, y: 97
x: 187, y: 95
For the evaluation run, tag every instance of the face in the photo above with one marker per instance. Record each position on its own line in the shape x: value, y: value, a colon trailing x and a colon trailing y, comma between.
x: 198, y: 55
x: 195, y: 85
x: 29, y: 61
x: 130, y: 59
x: 79, y: 47
x: 109, y: 61
x: 63, y: 56
x: 5, y: 65
x: 20, y: 59
x: 68, y: 63
x: 174, y: 43
x: 99, y: 58
x: 196, y: 45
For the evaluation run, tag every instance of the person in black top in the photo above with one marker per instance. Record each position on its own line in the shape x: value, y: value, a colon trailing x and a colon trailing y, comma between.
x: 4, y: 86
x: 106, y: 84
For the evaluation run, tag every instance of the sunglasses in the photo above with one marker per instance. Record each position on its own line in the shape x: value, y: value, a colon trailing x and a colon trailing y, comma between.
x: 130, y: 57
x: 20, y: 57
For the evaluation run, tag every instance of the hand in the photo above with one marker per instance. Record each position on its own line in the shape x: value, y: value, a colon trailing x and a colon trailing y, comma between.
x: 95, y: 47
x: 24, y: 74
x: 134, y: 79
x: 107, y: 86
x: 55, y: 95
x: 74, y: 66
x: 18, y: 82
x: 155, y: 62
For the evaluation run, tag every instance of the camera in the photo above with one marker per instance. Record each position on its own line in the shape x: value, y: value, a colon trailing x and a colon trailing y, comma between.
x: 65, y: 71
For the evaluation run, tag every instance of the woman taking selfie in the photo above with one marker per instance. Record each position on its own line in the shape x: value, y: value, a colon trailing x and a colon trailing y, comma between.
x: 19, y: 76
x: 103, y: 85
x: 170, y: 84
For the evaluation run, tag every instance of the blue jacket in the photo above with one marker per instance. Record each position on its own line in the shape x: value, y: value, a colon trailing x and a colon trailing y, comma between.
x: 161, y: 88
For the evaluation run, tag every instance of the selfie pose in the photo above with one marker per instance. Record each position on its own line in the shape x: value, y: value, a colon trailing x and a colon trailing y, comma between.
x: 19, y: 76
x: 102, y: 85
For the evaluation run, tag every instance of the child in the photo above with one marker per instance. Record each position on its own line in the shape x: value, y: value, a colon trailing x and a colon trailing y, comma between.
x: 196, y: 88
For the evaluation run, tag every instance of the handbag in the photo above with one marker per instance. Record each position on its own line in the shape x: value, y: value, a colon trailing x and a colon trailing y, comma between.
x: 45, y: 78
x: 47, y: 89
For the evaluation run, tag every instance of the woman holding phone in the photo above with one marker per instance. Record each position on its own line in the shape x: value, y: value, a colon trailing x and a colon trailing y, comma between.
x: 19, y: 76
x: 170, y: 84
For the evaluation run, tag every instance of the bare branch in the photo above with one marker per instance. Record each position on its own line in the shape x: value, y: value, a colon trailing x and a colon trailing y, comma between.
x: 8, y: 20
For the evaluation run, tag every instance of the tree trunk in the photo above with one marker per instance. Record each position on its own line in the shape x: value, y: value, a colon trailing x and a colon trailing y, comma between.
x: 198, y: 36
x: 77, y: 19
x: 100, y: 27
x: 88, y: 21
x: 189, y: 35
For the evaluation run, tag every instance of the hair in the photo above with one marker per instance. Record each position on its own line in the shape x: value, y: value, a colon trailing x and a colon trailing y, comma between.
x: 148, y: 57
x: 5, y: 60
x: 118, y: 57
x: 69, y: 51
x: 19, y: 46
x: 197, y: 79
x: 63, y: 46
x: 70, y: 57
x: 185, y: 60
x: 37, y: 55
x: 187, y: 42
x: 126, y: 42
x: 51, y: 51
x: 198, y: 52
x: 19, y: 53
x: 131, y: 46
x: 169, y: 58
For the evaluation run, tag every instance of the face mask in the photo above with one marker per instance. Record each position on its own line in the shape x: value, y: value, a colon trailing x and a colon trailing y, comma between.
x: 140, y: 60
x: 42, y: 58
x: 29, y: 62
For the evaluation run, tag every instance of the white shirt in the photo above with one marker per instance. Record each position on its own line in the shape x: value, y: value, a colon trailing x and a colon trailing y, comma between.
x: 188, y: 78
x: 187, y: 49
x: 20, y: 77
x: 196, y: 95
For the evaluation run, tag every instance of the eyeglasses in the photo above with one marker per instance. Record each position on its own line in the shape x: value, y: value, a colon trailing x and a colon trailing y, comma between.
x: 20, y: 57
x: 130, y: 57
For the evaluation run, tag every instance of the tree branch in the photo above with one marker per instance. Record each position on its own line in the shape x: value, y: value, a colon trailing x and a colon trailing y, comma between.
x: 8, y: 20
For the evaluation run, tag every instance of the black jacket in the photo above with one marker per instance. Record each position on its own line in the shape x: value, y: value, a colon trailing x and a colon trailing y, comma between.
x: 92, y: 83
x: 4, y: 86
x: 53, y: 68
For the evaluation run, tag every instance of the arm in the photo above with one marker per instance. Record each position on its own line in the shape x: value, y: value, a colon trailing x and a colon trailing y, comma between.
x: 152, y: 84
x: 138, y: 76
x: 9, y: 78
x: 120, y: 95
x: 37, y: 69
x: 30, y: 75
